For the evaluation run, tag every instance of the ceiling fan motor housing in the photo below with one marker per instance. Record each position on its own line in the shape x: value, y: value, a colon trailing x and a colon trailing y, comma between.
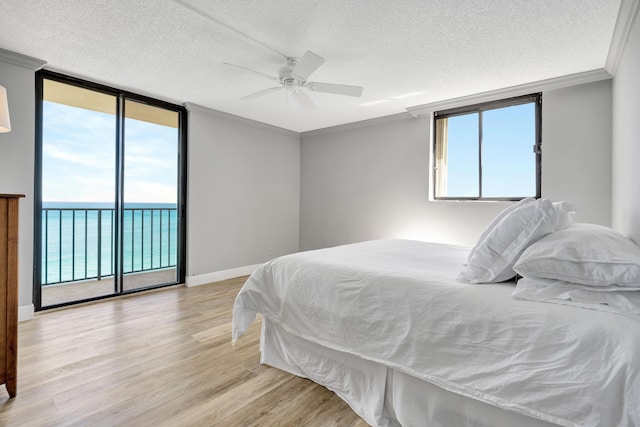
x: 285, y: 72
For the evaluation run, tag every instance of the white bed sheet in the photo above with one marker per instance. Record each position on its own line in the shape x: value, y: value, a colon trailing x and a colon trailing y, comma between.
x: 397, y: 303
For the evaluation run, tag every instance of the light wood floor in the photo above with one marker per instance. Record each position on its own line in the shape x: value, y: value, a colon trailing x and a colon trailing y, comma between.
x: 162, y: 358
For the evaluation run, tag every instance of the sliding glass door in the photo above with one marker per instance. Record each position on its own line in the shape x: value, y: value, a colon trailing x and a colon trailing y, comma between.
x: 151, y: 191
x: 110, y: 190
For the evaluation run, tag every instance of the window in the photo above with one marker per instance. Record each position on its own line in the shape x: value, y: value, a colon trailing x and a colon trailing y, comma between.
x: 110, y: 191
x: 488, y: 151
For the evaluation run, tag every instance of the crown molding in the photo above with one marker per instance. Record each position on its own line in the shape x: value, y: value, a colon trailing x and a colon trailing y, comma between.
x: 359, y: 124
x: 191, y: 107
x: 415, y: 112
x: 627, y: 14
x: 21, y: 60
x: 523, y: 89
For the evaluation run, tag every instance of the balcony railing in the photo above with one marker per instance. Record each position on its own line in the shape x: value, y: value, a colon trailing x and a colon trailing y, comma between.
x: 79, y: 243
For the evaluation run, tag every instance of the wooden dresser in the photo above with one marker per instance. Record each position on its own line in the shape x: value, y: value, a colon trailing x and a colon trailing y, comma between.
x: 9, y: 291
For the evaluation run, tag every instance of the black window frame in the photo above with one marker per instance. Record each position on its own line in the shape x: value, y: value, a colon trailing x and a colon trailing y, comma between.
x: 536, y: 98
x: 121, y: 95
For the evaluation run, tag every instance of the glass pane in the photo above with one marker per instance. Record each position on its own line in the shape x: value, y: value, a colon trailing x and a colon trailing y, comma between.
x: 508, y: 160
x: 78, y: 193
x: 150, y: 196
x: 462, y: 156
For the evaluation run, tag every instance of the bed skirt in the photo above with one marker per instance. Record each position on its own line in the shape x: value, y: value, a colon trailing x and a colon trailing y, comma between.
x: 382, y: 396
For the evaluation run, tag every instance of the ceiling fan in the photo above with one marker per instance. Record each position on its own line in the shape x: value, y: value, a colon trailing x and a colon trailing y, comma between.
x: 292, y: 77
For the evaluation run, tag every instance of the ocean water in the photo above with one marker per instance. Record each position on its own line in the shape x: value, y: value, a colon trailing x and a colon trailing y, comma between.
x: 78, y: 239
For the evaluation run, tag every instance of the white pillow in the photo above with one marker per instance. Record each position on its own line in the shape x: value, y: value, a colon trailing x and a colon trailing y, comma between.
x: 565, y: 211
x: 499, y: 218
x: 560, y: 292
x: 588, y: 254
x: 494, y: 256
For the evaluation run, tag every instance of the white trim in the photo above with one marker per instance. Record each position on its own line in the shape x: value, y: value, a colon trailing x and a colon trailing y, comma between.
x: 232, y: 117
x: 414, y: 112
x: 217, y: 276
x: 21, y: 60
x: 626, y: 15
x: 25, y: 312
x: 523, y: 89
x: 359, y: 124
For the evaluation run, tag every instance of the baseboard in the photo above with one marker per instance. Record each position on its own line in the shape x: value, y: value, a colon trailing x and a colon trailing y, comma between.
x: 25, y: 312
x: 216, y: 276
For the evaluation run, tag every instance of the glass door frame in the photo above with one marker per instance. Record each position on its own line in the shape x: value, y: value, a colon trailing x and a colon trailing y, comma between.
x: 121, y: 97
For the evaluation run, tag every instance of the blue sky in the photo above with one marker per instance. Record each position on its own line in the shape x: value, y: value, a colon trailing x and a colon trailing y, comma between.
x: 508, y: 161
x: 79, y: 158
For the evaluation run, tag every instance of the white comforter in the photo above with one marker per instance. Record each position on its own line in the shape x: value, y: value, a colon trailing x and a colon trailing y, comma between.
x: 396, y: 302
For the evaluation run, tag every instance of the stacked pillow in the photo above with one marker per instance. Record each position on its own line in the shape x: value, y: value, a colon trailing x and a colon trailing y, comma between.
x: 587, y: 254
x: 620, y: 300
x: 510, y: 233
x: 585, y: 264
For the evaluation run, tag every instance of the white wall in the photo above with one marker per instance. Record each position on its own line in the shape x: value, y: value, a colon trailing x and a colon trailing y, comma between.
x: 244, y: 192
x: 17, y: 150
x: 253, y: 187
x: 576, y: 141
x: 626, y: 138
x: 372, y: 182
x: 244, y: 181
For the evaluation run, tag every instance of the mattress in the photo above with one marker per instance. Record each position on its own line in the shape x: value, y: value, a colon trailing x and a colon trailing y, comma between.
x: 397, y: 303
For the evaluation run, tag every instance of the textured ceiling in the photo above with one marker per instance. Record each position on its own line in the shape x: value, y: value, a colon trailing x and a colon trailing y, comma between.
x: 404, y: 52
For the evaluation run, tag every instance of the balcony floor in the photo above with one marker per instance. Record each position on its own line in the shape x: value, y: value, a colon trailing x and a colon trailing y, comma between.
x: 86, y: 289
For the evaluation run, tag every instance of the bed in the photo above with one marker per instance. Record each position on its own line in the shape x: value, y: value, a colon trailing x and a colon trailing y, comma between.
x: 389, y: 327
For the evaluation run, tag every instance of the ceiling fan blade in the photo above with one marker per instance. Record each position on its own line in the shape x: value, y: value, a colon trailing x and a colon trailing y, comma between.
x: 305, y: 102
x: 336, y: 89
x: 309, y: 63
x: 266, y: 76
x: 261, y: 93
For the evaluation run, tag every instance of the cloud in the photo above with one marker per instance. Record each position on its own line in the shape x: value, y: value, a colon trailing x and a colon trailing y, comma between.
x: 79, y: 157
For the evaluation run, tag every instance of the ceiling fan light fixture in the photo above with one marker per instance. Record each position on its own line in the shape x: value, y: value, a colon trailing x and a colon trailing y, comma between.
x: 293, y: 77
